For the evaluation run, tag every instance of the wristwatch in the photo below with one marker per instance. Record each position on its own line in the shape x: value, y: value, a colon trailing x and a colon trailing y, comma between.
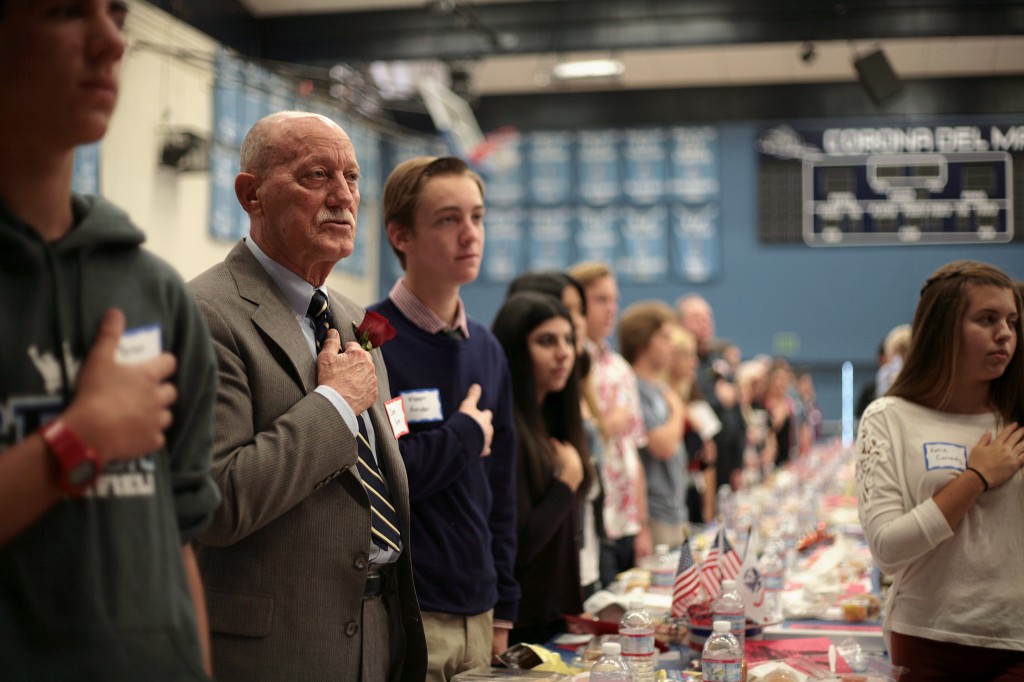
x: 78, y: 465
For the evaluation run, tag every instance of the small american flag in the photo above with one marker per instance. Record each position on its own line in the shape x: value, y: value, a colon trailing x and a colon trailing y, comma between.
x: 710, y: 575
x: 686, y: 589
x: 730, y: 561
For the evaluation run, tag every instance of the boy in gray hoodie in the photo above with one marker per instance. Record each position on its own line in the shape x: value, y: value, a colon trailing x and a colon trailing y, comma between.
x: 104, y: 473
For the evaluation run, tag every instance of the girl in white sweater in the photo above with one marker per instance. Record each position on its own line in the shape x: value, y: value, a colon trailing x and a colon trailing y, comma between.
x: 939, y: 491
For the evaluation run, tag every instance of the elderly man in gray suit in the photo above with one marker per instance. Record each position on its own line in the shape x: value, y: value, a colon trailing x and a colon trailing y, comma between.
x: 306, y: 565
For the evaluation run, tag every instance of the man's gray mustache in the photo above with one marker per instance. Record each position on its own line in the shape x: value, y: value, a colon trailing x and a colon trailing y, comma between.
x: 339, y: 216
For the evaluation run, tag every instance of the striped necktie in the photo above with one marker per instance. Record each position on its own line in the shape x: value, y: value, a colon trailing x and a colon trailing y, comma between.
x: 383, y: 517
x: 320, y: 317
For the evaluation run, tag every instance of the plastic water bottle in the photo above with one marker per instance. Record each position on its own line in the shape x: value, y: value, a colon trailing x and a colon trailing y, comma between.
x: 722, y: 659
x: 662, y: 568
x: 636, y: 634
x: 728, y: 606
x: 610, y: 667
x: 789, y: 538
x: 806, y: 516
x: 773, y: 569
x: 726, y: 504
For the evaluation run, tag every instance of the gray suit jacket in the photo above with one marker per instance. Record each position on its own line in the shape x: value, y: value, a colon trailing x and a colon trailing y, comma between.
x: 284, y: 562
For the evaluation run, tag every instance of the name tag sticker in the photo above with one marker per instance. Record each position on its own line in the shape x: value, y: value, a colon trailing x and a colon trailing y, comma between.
x: 138, y: 345
x: 423, y: 405
x: 945, y: 456
x: 396, y: 415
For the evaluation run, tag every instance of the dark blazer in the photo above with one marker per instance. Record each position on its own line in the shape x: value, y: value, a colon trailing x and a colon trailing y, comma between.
x: 284, y: 562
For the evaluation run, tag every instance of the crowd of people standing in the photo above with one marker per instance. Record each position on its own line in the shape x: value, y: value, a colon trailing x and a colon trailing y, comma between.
x: 237, y: 478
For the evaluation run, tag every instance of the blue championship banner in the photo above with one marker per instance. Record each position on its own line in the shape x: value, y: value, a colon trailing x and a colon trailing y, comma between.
x: 646, y: 201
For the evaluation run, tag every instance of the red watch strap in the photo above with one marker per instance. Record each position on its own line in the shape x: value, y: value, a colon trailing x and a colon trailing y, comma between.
x: 77, y: 463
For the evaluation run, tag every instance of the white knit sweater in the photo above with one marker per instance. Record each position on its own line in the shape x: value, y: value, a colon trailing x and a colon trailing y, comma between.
x: 964, y: 586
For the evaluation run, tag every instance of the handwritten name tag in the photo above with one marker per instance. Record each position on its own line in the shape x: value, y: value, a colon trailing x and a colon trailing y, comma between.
x: 396, y: 416
x: 138, y: 345
x: 423, y: 405
x: 945, y: 456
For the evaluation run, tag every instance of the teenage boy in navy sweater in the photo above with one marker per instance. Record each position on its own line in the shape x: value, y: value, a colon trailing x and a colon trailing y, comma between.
x: 457, y: 399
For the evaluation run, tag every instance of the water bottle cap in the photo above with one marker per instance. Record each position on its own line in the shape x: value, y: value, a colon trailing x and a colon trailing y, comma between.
x: 636, y: 603
x: 728, y: 585
x: 613, y: 648
x: 719, y: 626
x: 661, y: 549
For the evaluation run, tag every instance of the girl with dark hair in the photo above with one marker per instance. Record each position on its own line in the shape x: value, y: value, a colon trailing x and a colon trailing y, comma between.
x: 939, y: 489
x: 551, y: 475
x: 570, y: 292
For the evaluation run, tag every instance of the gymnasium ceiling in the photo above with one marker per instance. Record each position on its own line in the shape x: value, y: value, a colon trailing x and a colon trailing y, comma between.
x: 500, y: 48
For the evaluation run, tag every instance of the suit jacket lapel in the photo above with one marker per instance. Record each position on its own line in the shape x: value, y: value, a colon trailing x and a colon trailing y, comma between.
x: 272, y: 316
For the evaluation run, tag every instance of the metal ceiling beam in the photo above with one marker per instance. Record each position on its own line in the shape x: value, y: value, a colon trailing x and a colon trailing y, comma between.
x: 961, y: 97
x: 557, y: 26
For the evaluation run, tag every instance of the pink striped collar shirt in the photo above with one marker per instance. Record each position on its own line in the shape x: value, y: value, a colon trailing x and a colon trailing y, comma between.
x: 422, y: 316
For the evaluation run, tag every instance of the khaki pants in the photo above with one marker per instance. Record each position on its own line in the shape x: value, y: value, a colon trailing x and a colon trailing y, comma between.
x: 456, y: 643
x: 671, y: 534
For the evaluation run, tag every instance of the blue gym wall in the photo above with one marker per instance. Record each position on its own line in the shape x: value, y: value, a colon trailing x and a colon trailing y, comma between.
x: 839, y: 301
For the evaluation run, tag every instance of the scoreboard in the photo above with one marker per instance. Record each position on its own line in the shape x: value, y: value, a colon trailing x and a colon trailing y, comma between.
x: 891, y: 185
x: 904, y: 198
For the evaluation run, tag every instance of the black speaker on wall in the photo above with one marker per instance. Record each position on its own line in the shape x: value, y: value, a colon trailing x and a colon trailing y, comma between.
x: 877, y: 76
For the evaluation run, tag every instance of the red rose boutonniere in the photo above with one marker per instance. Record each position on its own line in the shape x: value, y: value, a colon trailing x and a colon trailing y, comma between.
x: 374, y: 331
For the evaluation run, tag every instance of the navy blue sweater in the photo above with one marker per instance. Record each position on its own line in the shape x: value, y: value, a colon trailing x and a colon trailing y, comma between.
x: 463, y: 538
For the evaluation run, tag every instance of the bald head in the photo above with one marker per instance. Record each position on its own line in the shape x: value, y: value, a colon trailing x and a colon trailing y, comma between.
x: 262, y: 146
x: 300, y: 186
x: 696, y: 317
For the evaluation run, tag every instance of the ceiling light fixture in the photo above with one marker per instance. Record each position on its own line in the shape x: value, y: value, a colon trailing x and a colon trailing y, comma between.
x: 593, y: 68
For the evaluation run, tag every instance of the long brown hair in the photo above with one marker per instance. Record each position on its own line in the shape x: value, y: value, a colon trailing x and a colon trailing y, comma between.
x: 559, y: 415
x: 554, y: 283
x: 928, y: 374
